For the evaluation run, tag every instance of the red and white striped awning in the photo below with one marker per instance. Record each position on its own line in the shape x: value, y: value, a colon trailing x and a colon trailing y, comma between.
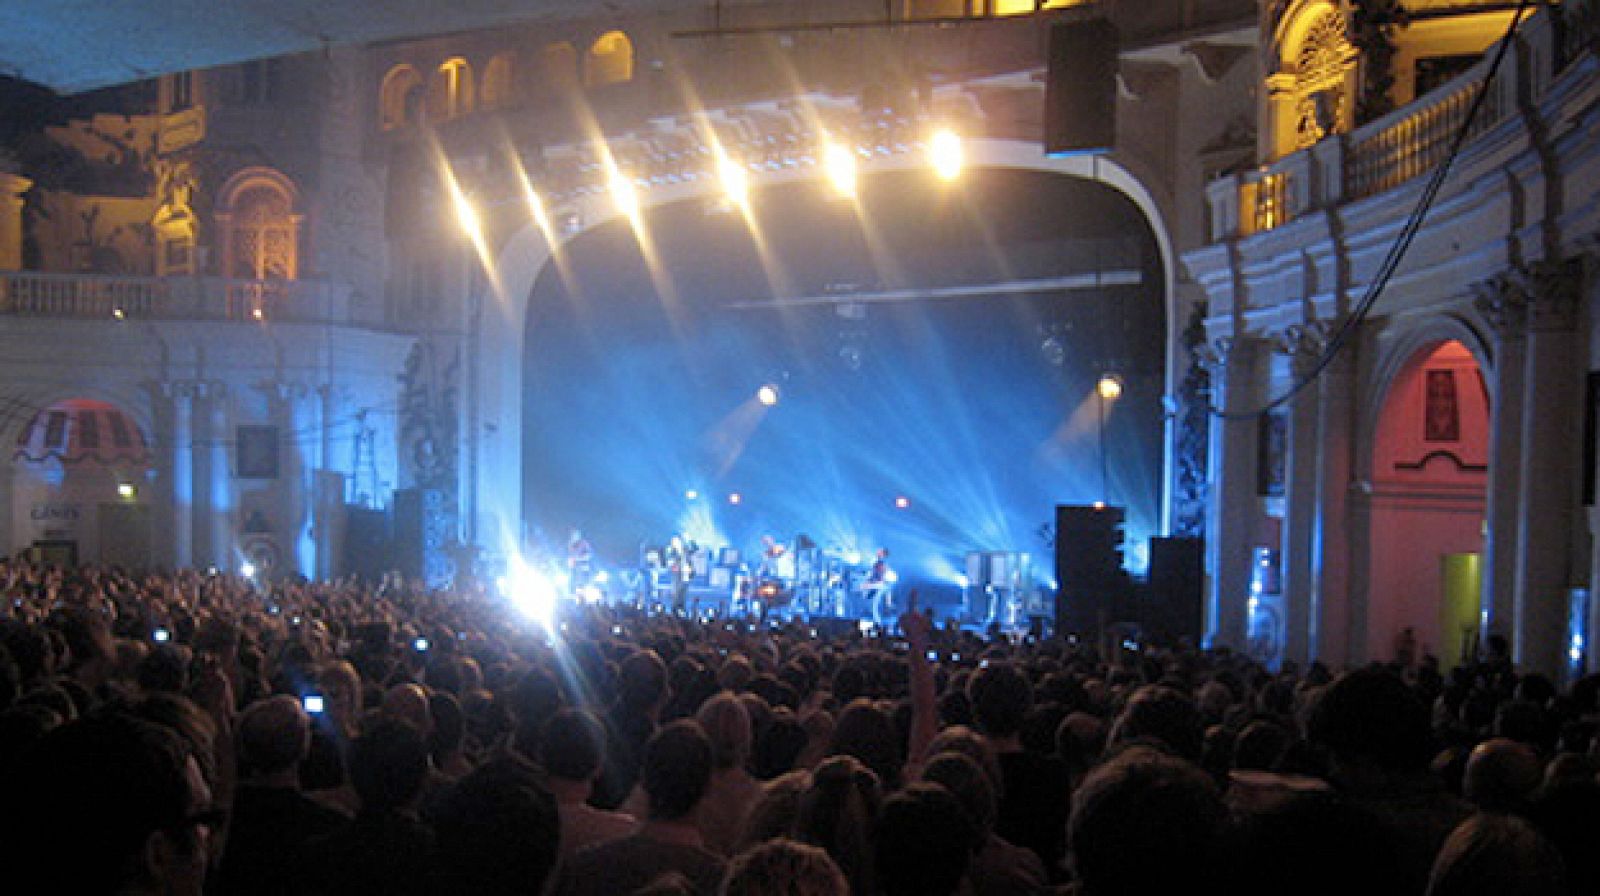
x: 82, y: 430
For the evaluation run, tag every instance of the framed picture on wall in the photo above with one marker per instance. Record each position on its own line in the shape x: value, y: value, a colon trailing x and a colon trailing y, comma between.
x: 1442, y: 411
x: 256, y: 450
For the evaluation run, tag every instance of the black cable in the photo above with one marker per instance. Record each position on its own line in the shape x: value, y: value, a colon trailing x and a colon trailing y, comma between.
x: 1398, y: 249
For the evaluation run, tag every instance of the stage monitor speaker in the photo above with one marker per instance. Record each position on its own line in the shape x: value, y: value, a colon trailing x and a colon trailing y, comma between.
x: 1080, y: 112
x: 1177, y: 574
x: 1090, y: 581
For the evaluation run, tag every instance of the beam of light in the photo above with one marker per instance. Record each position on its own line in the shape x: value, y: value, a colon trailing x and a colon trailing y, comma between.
x: 734, y: 178
x: 532, y: 593
x: 945, y: 154
x: 541, y: 219
x: 839, y: 162
x: 471, y: 224
x: 725, y: 442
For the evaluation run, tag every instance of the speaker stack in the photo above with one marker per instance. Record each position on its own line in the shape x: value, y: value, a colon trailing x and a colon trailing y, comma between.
x: 1080, y: 114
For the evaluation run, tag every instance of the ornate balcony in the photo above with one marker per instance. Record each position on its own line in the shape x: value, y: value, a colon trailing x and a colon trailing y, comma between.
x: 97, y: 297
x: 1389, y: 151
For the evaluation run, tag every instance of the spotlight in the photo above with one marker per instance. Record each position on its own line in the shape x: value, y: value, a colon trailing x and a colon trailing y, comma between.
x: 691, y: 495
x: 118, y: 313
x: 840, y: 164
x: 1109, y: 387
x: 735, y: 182
x: 247, y: 569
x: 257, y: 313
x: 126, y: 491
x: 529, y: 592
x: 466, y: 214
x: 736, y: 499
x: 944, y: 152
x: 767, y: 394
x: 902, y: 502
x: 624, y: 195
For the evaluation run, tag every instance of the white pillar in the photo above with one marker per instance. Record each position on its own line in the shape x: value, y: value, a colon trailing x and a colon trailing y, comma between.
x: 1330, y: 541
x: 220, y: 469
x: 1232, y: 511
x: 181, y: 481
x: 1505, y: 308
x: 1548, y: 499
x: 1303, y: 346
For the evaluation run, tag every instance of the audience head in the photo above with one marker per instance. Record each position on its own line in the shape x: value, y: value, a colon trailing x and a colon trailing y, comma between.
x: 388, y: 764
x: 642, y: 682
x: 1370, y: 718
x: 1161, y: 714
x: 1496, y: 855
x: 132, y: 798
x: 924, y: 842
x: 677, y: 770
x: 1502, y: 775
x: 868, y: 734
x: 274, y: 736
x: 573, y: 745
x: 1142, y: 823
x: 837, y: 814
x: 782, y: 867
x: 1001, y: 697
x: 967, y: 782
x: 727, y: 725
x: 498, y: 832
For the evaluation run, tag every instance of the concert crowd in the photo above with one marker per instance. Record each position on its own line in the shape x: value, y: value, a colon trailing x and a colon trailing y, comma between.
x: 195, y: 733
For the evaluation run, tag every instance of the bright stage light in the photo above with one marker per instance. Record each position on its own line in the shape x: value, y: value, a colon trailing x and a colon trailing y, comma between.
x: 735, y: 180
x: 126, y: 490
x: 902, y: 502
x: 624, y: 195
x: 466, y: 215
x: 601, y: 577
x: 691, y: 495
x: 531, y: 593
x: 767, y: 394
x: 247, y: 569
x: 963, y: 582
x: 1109, y: 387
x: 736, y: 498
x: 840, y: 163
x: 944, y: 152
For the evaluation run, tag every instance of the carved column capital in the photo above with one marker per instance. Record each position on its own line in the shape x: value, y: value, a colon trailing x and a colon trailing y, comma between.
x: 1552, y: 288
x: 1303, y: 344
x: 1503, y: 302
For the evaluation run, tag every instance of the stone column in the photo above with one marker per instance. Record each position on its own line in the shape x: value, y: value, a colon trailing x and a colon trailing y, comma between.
x: 180, y: 482
x: 1303, y: 346
x: 1330, y: 541
x: 1232, y: 510
x: 221, y: 550
x: 1549, y: 494
x: 1503, y: 304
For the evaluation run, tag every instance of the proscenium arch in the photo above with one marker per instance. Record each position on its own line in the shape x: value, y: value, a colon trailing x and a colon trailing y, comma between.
x: 495, y: 494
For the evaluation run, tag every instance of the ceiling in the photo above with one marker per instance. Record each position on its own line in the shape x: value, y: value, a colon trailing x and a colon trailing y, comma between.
x: 72, y: 46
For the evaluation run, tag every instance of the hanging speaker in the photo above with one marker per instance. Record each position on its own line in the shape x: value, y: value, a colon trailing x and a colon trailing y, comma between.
x: 1080, y: 98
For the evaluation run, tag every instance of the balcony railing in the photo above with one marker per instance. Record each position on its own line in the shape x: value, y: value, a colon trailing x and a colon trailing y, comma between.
x: 1389, y: 151
x: 93, y: 296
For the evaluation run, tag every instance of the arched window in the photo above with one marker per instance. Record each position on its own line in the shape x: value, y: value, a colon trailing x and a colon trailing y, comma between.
x: 396, y: 97
x: 450, y: 90
x: 558, y: 68
x: 496, y: 91
x: 260, y: 228
x: 609, y: 61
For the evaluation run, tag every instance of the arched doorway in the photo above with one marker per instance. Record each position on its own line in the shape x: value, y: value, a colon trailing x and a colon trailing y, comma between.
x: 1426, y: 505
x: 80, y: 471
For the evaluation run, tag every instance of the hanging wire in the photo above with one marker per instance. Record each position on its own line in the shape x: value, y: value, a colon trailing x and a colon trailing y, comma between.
x: 1398, y: 249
